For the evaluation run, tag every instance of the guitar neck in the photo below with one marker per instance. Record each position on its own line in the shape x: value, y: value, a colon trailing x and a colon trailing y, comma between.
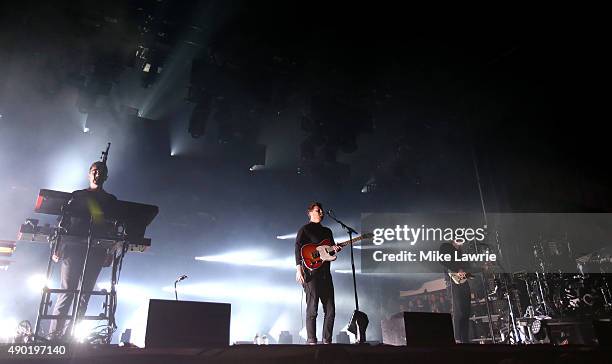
x: 354, y: 240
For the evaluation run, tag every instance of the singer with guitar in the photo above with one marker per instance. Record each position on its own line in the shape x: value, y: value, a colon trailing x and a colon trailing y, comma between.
x: 317, y: 283
x: 458, y: 283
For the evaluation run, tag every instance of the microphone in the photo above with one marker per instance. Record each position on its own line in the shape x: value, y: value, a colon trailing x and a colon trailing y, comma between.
x: 183, y: 277
x: 330, y: 212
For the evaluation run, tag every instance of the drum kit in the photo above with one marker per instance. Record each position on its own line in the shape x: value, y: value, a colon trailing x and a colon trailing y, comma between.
x: 525, y: 300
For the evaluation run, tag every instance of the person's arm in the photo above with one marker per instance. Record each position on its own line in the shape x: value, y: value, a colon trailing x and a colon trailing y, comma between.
x: 336, y: 248
x: 299, y: 270
x: 457, y: 268
x: 64, y: 223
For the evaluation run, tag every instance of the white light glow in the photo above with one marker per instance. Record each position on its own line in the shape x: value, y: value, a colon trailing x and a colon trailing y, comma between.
x: 8, y: 328
x: 85, y: 129
x: 303, y: 333
x: 128, y: 293
x: 69, y: 171
x: 256, y: 167
x: 83, y: 330
x: 286, y: 237
x: 282, y: 324
x: 244, y: 325
x: 138, y: 323
x: 256, y: 258
x: 83, y: 121
x: 37, y: 282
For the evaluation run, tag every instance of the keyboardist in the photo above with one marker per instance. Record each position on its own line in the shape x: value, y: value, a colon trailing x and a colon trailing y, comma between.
x: 85, y: 206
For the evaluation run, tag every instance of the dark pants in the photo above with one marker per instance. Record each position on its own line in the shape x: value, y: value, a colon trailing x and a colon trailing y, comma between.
x: 462, y: 309
x: 71, y: 269
x: 320, y: 287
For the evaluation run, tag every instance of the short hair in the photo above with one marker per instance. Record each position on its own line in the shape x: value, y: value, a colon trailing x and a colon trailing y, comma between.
x: 313, y: 204
x: 101, y: 167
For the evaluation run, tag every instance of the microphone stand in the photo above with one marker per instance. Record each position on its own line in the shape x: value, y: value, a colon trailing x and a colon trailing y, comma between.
x: 183, y: 277
x: 359, y: 320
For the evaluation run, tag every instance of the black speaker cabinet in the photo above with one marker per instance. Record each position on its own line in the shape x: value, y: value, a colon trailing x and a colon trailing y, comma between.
x: 187, y: 324
x: 603, y: 331
x: 418, y: 329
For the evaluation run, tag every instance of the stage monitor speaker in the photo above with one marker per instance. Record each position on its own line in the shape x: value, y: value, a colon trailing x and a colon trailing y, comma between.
x: 285, y: 337
x: 603, y: 332
x: 343, y: 338
x: 418, y: 329
x: 572, y: 332
x: 187, y: 324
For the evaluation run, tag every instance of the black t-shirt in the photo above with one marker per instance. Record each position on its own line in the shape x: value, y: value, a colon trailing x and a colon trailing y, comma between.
x: 312, y: 233
x: 85, y: 204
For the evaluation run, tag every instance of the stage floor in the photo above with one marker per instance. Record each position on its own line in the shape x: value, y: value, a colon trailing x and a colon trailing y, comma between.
x: 336, y: 353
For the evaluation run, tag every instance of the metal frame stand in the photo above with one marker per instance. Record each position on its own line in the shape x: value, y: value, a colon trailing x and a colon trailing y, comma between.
x: 78, y: 312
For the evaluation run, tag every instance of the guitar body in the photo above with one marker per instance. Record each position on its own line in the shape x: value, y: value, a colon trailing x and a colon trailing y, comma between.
x: 314, y: 255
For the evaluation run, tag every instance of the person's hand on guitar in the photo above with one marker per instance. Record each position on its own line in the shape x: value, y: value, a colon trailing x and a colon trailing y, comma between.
x: 461, y: 274
x: 299, y: 274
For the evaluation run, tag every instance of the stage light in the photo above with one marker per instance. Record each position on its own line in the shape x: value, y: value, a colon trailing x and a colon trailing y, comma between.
x: 255, y: 258
x: 8, y: 328
x: 370, y: 186
x: 37, y: 282
x: 288, y: 236
x: 83, y: 330
x: 256, y: 167
x: 83, y: 122
x: 7, y: 248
